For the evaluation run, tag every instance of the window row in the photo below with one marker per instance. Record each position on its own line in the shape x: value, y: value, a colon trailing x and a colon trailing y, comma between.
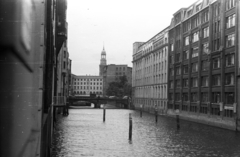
x: 88, y: 79
x: 85, y: 92
x: 83, y: 87
x: 87, y: 83
x: 216, y: 81
x: 216, y: 63
x: 120, y: 68
x: 230, y: 4
x: 204, y: 97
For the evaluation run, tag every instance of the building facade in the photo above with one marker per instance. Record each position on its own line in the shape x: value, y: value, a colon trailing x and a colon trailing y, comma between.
x: 150, y: 71
x: 112, y: 71
x: 203, y: 62
x: 29, y: 74
x: 63, y: 71
x: 86, y: 85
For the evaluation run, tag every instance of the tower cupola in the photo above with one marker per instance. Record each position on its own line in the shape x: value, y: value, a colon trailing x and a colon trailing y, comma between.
x: 103, y: 57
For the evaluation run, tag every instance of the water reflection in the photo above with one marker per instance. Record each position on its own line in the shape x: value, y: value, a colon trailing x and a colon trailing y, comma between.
x: 83, y: 133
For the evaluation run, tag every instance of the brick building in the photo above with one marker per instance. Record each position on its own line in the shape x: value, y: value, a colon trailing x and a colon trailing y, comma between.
x: 203, y: 61
x: 202, y: 65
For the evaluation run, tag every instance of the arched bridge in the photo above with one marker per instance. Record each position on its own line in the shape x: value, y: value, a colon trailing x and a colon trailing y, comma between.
x: 97, y: 101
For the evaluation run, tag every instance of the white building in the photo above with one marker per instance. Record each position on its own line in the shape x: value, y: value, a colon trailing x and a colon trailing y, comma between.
x: 149, y: 73
x: 86, y: 85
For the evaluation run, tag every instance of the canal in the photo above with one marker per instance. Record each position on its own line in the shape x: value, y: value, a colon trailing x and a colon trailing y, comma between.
x: 83, y: 133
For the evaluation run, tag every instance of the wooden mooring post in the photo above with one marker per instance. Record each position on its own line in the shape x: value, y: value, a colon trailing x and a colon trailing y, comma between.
x: 104, y: 114
x: 130, y: 127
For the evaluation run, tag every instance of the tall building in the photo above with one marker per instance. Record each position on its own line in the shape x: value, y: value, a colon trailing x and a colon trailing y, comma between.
x: 149, y: 84
x: 86, y: 85
x: 203, y: 62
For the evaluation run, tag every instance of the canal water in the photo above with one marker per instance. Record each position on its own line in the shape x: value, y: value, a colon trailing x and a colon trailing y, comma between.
x: 83, y: 133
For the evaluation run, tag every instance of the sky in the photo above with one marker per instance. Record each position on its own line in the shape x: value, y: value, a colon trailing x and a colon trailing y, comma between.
x: 116, y: 25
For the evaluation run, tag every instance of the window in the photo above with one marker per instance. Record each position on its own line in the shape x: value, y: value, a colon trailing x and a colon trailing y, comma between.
x: 205, y: 16
x: 195, y: 37
x: 178, y: 84
x: 216, y: 80
x: 185, y: 97
x: 171, y: 47
x: 195, y: 21
x: 194, y: 67
x: 216, y: 63
x: 198, y: 7
x: 204, y: 97
x: 230, y: 22
x: 230, y: 4
x: 178, y: 70
x: 229, y: 60
x: 216, y: 26
x: 216, y: 44
x: 186, y: 55
x: 185, y: 69
x: 205, y: 48
x: 177, y: 44
x: 189, y: 13
x: 177, y: 18
x: 186, y: 41
x: 229, y: 79
x: 187, y: 26
x: 185, y: 83
x: 170, y: 96
x: 205, y: 32
x: 216, y: 9
x: 205, y: 81
x: 230, y: 40
x: 194, y: 82
x: 177, y: 97
x: 216, y: 97
x: 178, y: 57
x: 194, y: 52
x: 194, y: 97
x: 171, y: 71
x: 229, y: 97
x: 171, y: 84
x: 171, y: 61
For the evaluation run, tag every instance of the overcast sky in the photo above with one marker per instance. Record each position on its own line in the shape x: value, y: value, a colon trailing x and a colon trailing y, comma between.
x: 117, y: 24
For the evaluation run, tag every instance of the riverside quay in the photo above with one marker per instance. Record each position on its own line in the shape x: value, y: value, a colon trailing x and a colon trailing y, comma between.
x: 192, y: 66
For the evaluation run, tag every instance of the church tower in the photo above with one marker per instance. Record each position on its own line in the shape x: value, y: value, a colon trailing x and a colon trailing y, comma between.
x: 103, y: 62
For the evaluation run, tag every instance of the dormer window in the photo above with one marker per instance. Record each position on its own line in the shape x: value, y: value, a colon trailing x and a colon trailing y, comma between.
x: 177, y: 18
x: 189, y: 13
x: 198, y: 7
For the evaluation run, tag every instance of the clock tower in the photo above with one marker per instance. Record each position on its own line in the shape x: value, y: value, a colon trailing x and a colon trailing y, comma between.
x: 103, y: 62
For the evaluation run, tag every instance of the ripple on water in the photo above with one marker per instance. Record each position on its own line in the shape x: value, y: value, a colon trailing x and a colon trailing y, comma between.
x: 83, y: 133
